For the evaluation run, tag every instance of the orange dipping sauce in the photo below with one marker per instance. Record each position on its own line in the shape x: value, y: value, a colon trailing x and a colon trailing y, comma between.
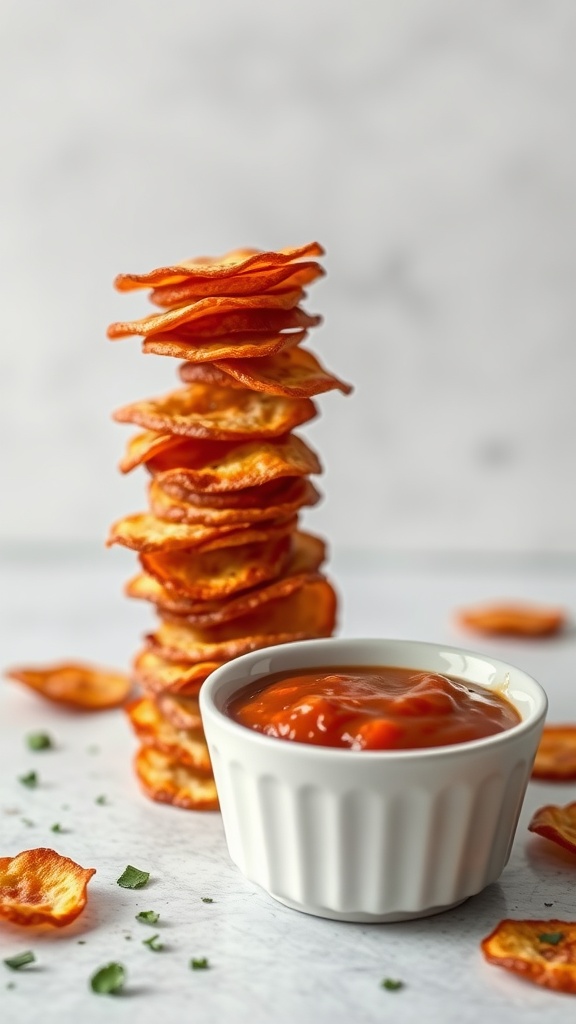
x: 371, y: 708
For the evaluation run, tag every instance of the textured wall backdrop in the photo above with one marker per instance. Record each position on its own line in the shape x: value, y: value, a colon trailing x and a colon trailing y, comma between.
x: 428, y: 144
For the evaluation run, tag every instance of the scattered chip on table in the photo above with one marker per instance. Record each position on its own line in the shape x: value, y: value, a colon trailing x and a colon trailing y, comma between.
x: 41, y: 887
x: 511, y: 619
x: 543, y: 952
x: 557, y: 824
x: 556, y: 755
x: 78, y: 685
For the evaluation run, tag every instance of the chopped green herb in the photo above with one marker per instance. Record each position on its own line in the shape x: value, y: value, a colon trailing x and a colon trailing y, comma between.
x: 153, y: 943
x: 39, y: 741
x: 133, y: 878
x: 81, y: 942
x: 11, y: 984
x: 101, y: 800
x: 16, y: 962
x: 108, y: 980
x: 148, y: 916
x: 58, y: 828
x: 30, y: 780
x: 199, y: 964
x: 28, y: 821
x: 392, y: 984
x: 207, y: 899
x: 128, y: 938
x: 548, y: 904
x: 552, y: 938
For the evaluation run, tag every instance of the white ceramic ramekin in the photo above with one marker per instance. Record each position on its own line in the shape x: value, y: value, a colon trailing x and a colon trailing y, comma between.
x: 370, y: 835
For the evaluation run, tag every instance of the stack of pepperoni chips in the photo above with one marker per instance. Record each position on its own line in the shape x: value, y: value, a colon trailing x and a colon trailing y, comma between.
x: 221, y: 555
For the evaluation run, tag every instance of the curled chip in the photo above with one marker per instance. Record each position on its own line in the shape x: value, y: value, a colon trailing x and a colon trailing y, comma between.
x: 143, y: 447
x: 41, y: 887
x: 213, y: 575
x: 152, y: 729
x: 78, y: 685
x: 512, y: 620
x: 240, y: 335
x: 217, y: 466
x: 156, y: 323
x: 181, y: 712
x: 237, y: 261
x: 274, y: 279
x: 159, y: 676
x: 543, y: 952
x: 202, y: 350
x: 167, y: 780
x: 144, y: 532
x: 224, y: 414
x: 308, y: 612
x: 167, y: 507
x: 294, y: 373
x: 556, y: 754
x: 308, y: 553
x: 557, y: 824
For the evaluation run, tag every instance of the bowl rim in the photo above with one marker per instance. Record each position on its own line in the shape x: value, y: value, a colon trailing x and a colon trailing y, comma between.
x: 295, y: 748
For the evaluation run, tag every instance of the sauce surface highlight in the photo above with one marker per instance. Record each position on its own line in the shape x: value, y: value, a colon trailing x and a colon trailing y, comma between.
x: 371, y: 708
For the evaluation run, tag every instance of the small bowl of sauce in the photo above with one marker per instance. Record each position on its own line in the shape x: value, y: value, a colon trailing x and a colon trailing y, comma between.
x: 371, y: 780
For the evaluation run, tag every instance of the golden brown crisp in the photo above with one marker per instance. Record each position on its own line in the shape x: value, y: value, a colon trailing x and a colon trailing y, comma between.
x: 41, y: 887
x: 543, y: 952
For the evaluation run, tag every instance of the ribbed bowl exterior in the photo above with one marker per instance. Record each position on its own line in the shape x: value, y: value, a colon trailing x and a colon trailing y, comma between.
x: 369, y: 836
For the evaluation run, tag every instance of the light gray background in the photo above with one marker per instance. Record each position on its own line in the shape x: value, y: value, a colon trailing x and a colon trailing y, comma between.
x: 428, y: 144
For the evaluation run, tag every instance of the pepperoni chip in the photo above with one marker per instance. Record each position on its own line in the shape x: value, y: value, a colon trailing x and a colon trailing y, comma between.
x: 512, y: 620
x: 556, y: 754
x: 166, y: 780
x: 557, y: 824
x: 41, y: 887
x: 219, y: 414
x: 166, y: 506
x: 215, y: 467
x: 294, y: 373
x: 154, y: 730
x: 158, y: 676
x: 157, y: 323
x: 543, y: 952
x: 214, y: 575
x: 277, y: 279
x: 310, y: 611
x: 237, y: 261
x: 77, y: 685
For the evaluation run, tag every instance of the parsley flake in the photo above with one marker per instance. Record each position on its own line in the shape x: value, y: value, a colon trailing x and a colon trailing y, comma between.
x: 133, y: 878
x: 39, y: 741
x: 20, y: 960
x: 28, y: 822
x: 30, y: 780
x: 153, y: 943
x: 392, y: 984
x: 552, y: 938
x: 199, y: 963
x: 109, y: 979
x: 58, y: 828
x: 101, y: 800
x: 148, y: 917
x: 207, y: 899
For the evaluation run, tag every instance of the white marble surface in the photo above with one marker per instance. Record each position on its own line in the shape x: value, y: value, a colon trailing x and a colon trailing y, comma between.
x: 429, y: 144
x: 268, y: 963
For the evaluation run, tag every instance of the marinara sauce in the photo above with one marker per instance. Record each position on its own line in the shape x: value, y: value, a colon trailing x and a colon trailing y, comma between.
x: 371, y: 708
